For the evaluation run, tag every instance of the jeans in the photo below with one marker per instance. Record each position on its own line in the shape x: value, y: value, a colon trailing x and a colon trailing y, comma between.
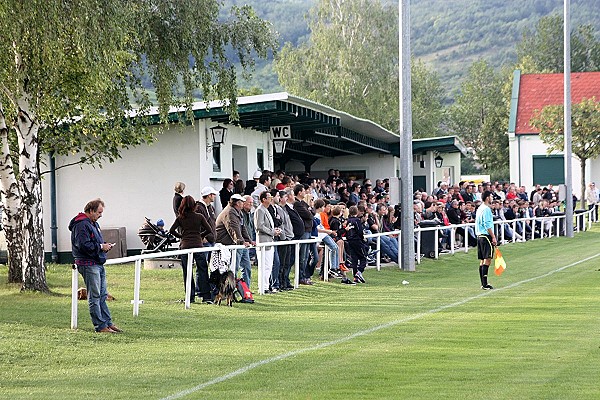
x: 389, y: 246
x: 243, y: 263
x: 304, y: 256
x: 313, y: 261
x: 94, y: 277
x: 274, y: 281
x: 334, y: 255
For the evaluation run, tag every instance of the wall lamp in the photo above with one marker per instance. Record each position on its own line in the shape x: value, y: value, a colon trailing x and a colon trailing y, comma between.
x: 438, y: 161
x: 218, y: 135
x: 279, y: 146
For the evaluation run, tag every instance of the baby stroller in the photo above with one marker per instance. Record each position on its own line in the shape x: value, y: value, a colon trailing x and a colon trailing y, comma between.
x: 155, y: 239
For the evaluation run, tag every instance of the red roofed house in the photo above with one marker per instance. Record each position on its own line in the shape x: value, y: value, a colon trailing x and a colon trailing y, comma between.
x: 529, y: 162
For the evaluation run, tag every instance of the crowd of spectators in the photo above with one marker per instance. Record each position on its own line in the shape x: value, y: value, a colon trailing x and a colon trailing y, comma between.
x: 275, y: 206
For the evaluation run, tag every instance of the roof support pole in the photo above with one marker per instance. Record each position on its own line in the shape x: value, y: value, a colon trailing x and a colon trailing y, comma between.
x: 568, y: 134
x: 406, y: 167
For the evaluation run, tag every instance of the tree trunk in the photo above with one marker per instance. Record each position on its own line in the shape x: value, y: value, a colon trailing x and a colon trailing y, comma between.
x: 11, y: 213
x: 582, y: 167
x: 32, y: 227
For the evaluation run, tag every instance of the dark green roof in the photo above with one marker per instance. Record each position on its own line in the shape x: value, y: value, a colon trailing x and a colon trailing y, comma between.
x: 317, y: 130
x: 445, y: 144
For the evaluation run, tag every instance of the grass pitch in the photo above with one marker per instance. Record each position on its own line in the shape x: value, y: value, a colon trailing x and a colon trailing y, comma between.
x: 534, y: 337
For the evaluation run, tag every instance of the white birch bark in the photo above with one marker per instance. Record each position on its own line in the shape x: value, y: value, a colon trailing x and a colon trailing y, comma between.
x: 32, y: 227
x: 11, y: 202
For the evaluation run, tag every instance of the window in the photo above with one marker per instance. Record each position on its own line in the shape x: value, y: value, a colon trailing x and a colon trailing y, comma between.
x: 216, y: 152
x: 260, y: 159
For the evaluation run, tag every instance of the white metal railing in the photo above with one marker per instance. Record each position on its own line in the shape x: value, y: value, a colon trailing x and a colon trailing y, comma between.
x: 555, y: 225
x: 188, y: 283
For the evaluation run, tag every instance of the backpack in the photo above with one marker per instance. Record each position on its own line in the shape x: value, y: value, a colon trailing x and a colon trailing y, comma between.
x: 243, y: 293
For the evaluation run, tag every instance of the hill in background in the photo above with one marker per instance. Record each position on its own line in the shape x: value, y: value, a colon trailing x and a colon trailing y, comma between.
x: 449, y: 35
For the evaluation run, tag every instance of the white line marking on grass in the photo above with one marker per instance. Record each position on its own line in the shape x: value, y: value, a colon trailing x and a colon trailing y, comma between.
x: 257, y: 364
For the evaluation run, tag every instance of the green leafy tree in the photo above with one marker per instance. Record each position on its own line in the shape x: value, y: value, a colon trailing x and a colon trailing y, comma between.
x: 350, y: 62
x: 480, y: 117
x: 427, y: 94
x: 585, y: 131
x: 544, y: 47
x: 68, y: 70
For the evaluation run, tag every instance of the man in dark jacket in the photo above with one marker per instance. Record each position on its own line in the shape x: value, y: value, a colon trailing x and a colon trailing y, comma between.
x: 89, y: 252
x: 206, y: 208
x: 303, y: 209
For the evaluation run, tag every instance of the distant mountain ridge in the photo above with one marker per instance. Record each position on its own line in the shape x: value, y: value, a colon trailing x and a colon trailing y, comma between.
x: 449, y: 35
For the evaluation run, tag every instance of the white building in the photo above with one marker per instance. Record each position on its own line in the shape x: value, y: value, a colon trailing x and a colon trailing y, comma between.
x: 530, y: 163
x: 317, y: 137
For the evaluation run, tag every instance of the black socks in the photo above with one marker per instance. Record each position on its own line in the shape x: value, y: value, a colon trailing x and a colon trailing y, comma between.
x: 483, y: 274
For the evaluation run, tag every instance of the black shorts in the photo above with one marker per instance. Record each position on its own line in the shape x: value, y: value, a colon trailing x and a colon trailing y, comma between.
x: 485, y: 249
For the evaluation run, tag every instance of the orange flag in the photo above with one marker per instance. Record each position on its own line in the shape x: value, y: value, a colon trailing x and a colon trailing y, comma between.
x: 499, y: 263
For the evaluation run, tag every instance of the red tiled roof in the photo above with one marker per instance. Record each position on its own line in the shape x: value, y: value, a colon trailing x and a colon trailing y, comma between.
x: 539, y: 90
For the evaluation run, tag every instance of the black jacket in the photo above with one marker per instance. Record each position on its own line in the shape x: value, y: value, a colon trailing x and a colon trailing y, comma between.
x: 355, y: 230
x: 453, y: 215
x: 296, y: 220
x: 305, y: 213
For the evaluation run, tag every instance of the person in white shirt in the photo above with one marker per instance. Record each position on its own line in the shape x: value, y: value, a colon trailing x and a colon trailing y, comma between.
x: 591, y: 197
x: 265, y: 232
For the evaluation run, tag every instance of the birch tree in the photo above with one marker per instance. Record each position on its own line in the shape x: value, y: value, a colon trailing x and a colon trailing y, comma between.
x: 69, y: 70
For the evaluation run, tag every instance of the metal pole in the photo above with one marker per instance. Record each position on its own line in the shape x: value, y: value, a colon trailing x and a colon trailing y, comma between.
x: 74, y: 284
x: 406, y: 167
x: 53, y: 225
x: 136, y: 287
x: 568, y: 136
x: 188, y: 280
x: 261, y: 262
x: 296, y: 265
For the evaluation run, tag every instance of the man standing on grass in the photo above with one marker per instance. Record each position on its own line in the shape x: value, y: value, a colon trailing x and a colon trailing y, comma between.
x: 486, y: 240
x: 89, y: 252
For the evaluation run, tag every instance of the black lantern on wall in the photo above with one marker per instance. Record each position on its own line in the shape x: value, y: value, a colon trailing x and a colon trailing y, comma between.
x: 218, y: 135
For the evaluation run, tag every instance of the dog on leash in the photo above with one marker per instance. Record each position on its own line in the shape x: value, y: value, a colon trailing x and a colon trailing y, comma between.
x: 227, y: 287
x: 82, y: 295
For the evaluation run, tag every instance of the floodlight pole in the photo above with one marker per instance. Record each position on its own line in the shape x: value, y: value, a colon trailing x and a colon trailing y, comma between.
x: 406, y: 167
x: 568, y: 134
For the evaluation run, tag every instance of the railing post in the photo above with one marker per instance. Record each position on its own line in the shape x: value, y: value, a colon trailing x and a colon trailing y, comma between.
x: 232, y: 265
x: 188, y: 280
x: 74, y: 288
x: 325, y: 263
x: 398, y: 239
x: 296, y: 265
x: 452, y: 239
x: 261, y: 262
x: 419, y: 247
x: 436, y: 243
x: 136, y: 287
x: 378, y: 253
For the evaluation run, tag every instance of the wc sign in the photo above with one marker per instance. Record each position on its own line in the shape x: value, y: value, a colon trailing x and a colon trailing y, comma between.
x: 280, y: 135
x: 283, y: 132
